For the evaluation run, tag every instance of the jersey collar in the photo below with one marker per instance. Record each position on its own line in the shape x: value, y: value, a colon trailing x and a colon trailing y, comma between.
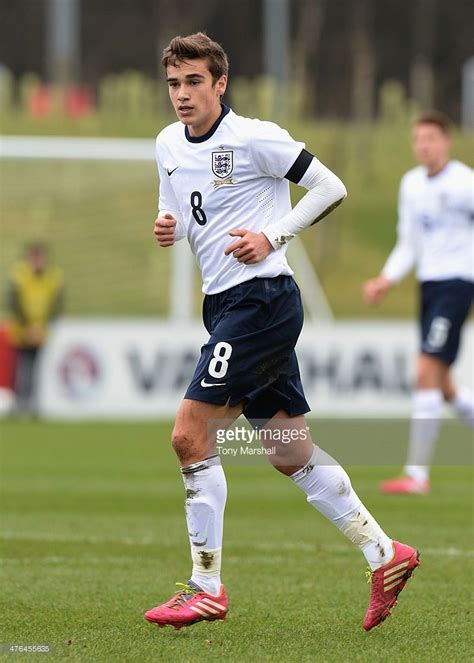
x: 212, y: 130
x: 441, y: 172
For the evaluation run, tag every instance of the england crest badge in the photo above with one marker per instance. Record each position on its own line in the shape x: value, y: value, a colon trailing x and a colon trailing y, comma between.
x: 222, y: 163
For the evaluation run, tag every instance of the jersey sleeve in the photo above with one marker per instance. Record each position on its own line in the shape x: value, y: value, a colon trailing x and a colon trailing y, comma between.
x: 274, y: 150
x: 469, y: 195
x: 325, y: 193
x: 403, y: 257
x: 167, y: 201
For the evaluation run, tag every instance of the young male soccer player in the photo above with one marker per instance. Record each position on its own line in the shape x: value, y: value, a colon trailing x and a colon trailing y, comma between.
x: 224, y: 185
x: 435, y: 232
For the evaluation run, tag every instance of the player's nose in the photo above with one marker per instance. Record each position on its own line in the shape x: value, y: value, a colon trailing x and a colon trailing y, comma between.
x: 183, y: 94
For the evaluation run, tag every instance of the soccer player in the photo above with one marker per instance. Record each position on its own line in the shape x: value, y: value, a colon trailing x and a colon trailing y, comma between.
x: 435, y: 233
x: 224, y: 184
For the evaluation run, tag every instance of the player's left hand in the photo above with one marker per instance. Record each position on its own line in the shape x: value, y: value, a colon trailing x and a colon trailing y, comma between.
x: 250, y: 248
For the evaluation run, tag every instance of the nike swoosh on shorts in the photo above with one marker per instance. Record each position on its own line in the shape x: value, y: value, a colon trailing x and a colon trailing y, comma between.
x: 212, y: 384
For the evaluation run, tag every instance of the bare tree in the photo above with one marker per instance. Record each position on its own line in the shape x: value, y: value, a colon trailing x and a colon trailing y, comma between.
x: 310, y: 19
x: 421, y: 70
x: 363, y: 60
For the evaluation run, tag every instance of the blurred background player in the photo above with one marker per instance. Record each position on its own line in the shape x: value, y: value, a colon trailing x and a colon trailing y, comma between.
x: 435, y: 233
x: 35, y: 298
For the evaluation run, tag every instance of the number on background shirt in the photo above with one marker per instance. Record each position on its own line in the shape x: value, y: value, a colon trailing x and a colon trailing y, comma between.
x: 221, y: 354
x: 196, y: 206
x: 439, y: 330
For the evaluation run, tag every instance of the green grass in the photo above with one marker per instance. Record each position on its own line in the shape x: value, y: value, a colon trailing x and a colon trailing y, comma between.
x: 93, y: 534
x: 98, y: 219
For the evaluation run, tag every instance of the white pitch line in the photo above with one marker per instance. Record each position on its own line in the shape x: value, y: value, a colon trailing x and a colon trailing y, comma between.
x: 264, y: 546
x: 107, y: 559
x: 445, y: 552
x: 73, y: 538
x: 64, y: 559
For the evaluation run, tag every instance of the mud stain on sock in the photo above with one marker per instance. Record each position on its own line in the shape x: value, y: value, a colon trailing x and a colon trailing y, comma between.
x: 206, y: 558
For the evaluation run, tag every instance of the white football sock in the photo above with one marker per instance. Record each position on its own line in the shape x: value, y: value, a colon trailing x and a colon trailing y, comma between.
x: 329, y: 490
x: 206, y: 494
x: 425, y: 420
x: 463, y: 404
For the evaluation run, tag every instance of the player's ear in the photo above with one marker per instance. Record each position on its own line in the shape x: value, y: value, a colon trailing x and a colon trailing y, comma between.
x: 221, y: 84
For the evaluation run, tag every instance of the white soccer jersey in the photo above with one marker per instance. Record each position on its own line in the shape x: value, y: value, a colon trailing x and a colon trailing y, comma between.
x: 435, y: 225
x: 232, y: 177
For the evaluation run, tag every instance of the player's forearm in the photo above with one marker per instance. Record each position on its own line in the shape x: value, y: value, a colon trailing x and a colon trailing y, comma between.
x: 400, y: 261
x: 325, y: 193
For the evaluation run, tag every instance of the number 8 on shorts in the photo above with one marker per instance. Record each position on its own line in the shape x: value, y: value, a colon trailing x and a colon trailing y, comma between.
x: 219, y: 363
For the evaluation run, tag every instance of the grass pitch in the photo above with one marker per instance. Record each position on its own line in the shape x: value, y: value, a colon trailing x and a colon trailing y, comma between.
x: 92, y: 535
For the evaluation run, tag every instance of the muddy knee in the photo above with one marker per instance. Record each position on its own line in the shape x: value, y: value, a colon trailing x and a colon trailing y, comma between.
x: 180, y: 442
x: 187, y: 447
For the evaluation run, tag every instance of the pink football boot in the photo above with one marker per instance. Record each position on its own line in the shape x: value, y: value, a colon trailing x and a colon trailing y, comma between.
x: 188, y: 606
x: 388, y: 581
x: 405, y: 486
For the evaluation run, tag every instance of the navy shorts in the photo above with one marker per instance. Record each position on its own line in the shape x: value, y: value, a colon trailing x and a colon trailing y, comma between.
x: 250, y: 355
x: 444, y: 308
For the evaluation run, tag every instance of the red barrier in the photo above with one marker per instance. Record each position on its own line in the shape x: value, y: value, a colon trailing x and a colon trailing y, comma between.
x: 7, y: 359
x: 40, y: 102
x: 76, y: 101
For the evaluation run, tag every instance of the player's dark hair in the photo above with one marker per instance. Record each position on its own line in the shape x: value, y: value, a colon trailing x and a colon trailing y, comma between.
x: 437, y: 118
x: 197, y: 46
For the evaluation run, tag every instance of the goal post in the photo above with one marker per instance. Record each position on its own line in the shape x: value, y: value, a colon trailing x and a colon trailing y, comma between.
x: 120, y: 150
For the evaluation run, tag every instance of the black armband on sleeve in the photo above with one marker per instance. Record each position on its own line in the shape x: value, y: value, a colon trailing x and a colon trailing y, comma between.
x: 300, y: 166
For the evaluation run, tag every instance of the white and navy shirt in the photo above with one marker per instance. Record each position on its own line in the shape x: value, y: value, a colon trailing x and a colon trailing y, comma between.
x: 232, y: 177
x: 435, y: 225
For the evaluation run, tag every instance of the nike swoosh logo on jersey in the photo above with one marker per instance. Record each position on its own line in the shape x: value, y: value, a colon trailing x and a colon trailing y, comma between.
x: 170, y: 172
x: 212, y: 384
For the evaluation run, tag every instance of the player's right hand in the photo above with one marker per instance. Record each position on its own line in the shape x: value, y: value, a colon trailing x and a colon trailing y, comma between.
x: 375, y: 289
x: 165, y: 229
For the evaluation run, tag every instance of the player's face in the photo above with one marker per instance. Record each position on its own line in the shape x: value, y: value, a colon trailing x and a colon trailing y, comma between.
x: 431, y: 146
x: 195, y: 96
x: 37, y: 259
